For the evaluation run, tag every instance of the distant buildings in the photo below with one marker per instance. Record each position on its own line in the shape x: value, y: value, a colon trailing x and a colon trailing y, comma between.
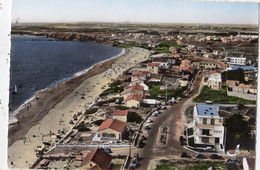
x: 246, y: 91
x: 207, y: 124
x: 207, y: 65
x: 236, y: 61
x: 140, y: 77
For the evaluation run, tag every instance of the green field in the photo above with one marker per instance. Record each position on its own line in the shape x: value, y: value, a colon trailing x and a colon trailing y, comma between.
x: 219, y: 96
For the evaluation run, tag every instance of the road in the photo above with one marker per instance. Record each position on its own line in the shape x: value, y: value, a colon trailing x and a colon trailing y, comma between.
x: 171, y: 118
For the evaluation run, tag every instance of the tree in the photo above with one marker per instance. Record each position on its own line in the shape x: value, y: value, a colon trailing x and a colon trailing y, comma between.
x: 234, y: 75
x: 238, y: 130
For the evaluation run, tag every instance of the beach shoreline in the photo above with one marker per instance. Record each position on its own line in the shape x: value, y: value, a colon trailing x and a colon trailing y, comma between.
x: 19, y: 117
x: 55, y: 108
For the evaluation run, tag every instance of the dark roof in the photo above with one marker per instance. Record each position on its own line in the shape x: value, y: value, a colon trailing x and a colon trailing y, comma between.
x: 99, y: 157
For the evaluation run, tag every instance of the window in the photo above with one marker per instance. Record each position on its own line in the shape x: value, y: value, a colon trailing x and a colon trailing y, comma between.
x: 205, y: 140
x: 205, y: 132
x: 204, y: 121
x: 220, y: 120
x: 212, y: 122
x: 216, y: 140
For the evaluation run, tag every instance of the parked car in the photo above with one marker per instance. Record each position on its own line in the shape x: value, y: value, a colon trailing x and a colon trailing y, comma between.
x: 215, y: 156
x: 155, y: 114
x: 200, y: 156
x: 179, y: 98
x: 163, y: 108
x: 146, y: 127
x: 184, y: 155
x: 149, y: 120
x: 133, y: 164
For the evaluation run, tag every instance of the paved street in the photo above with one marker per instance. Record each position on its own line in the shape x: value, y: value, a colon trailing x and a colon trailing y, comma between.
x: 171, y: 118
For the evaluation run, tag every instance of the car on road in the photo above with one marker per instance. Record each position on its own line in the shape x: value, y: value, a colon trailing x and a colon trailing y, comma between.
x: 149, y: 120
x: 155, y: 114
x: 146, y: 127
x: 215, y: 156
x: 179, y: 98
x: 163, y: 108
x: 200, y: 156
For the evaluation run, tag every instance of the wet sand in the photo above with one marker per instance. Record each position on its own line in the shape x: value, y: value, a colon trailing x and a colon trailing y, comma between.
x: 56, y: 106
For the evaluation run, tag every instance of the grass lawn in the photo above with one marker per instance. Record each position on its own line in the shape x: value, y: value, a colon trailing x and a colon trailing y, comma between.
x: 219, y: 96
x: 206, y: 165
x: 163, y: 47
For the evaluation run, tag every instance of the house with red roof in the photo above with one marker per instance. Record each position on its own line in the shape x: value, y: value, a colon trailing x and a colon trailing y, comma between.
x: 111, y: 129
x: 120, y: 115
x: 97, y: 160
x: 140, y: 76
x: 134, y: 89
x: 153, y: 68
x: 133, y: 100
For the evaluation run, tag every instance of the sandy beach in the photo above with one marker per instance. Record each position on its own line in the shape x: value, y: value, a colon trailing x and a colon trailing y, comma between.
x: 56, y: 106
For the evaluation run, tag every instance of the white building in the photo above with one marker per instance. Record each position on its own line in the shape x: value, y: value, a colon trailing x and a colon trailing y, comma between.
x: 236, y: 61
x: 215, y: 81
x: 207, y: 124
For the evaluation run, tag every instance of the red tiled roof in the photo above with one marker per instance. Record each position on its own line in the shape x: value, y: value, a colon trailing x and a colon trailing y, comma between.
x: 113, y: 124
x: 215, y: 71
x: 160, y: 60
x: 99, y: 157
x: 189, y: 68
x: 134, y: 97
x: 141, y: 74
x: 232, y: 82
x: 120, y: 113
x: 138, y: 87
x: 251, y: 162
x: 153, y: 64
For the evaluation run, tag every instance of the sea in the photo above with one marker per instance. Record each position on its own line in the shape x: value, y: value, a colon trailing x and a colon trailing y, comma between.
x: 38, y: 63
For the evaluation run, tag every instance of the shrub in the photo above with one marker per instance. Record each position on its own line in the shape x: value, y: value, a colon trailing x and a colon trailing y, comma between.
x: 91, y: 111
x: 134, y: 117
x: 122, y: 107
x: 163, y: 167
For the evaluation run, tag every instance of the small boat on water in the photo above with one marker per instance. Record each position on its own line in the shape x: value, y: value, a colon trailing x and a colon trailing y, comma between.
x: 15, y: 89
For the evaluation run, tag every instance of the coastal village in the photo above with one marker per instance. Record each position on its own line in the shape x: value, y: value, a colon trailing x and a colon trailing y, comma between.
x: 181, y: 101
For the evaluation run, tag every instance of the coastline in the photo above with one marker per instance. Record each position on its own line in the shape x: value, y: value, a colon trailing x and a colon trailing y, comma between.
x: 13, y: 115
x: 22, y: 112
x: 56, y: 106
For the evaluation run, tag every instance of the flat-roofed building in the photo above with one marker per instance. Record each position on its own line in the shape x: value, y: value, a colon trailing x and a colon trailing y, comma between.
x: 208, y: 125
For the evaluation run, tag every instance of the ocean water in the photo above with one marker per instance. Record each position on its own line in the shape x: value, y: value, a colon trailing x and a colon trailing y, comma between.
x: 39, y: 62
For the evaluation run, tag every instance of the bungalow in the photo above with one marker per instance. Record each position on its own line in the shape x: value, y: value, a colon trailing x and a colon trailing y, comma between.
x: 140, y: 76
x: 146, y: 88
x: 133, y: 90
x: 120, y: 115
x: 133, y: 100
x: 153, y: 67
x: 111, y: 129
x: 140, y: 86
x: 184, y: 81
x: 97, y: 160
x: 208, y: 65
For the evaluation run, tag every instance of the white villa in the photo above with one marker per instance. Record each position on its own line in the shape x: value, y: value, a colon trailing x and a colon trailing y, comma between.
x: 215, y: 81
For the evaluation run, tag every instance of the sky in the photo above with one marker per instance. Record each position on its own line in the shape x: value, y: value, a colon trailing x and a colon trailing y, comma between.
x: 157, y: 11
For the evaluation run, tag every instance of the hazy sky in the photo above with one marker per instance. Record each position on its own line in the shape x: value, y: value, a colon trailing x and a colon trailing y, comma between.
x: 165, y: 11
